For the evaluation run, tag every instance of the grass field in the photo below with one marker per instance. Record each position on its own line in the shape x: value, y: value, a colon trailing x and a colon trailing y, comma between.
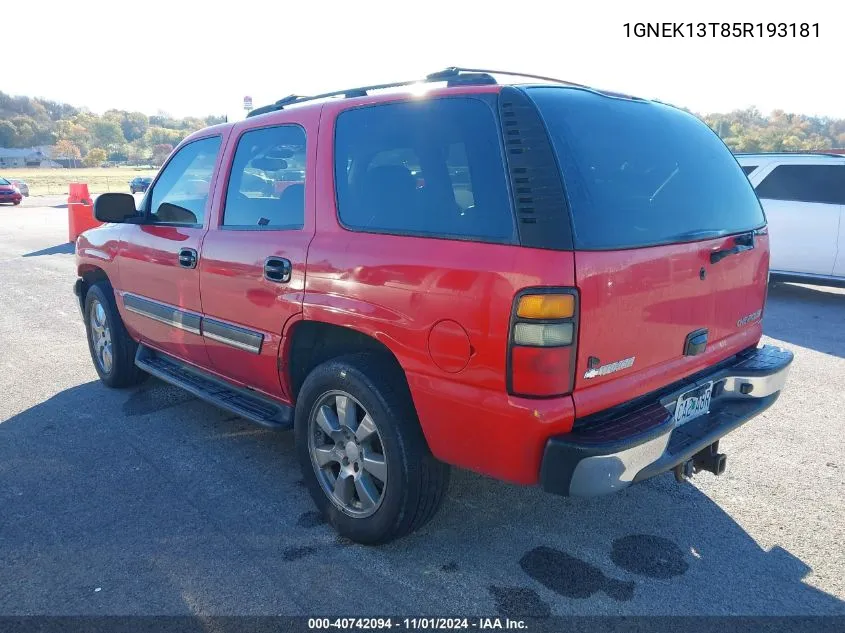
x: 52, y: 182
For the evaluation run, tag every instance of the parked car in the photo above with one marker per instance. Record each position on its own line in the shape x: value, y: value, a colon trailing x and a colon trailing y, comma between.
x: 22, y: 187
x: 9, y: 193
x: 803, y: 196
x: 139, y: 184
x: 565, y: 325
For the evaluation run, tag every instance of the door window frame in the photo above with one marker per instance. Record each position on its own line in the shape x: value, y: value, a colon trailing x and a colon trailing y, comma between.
x: 229, y: 167
x: 147, y: 200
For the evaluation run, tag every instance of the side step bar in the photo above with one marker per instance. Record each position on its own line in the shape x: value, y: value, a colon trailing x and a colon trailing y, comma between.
x: 239, y: 401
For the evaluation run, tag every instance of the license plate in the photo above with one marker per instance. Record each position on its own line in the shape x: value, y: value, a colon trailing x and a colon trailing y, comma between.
x: 693, y: 404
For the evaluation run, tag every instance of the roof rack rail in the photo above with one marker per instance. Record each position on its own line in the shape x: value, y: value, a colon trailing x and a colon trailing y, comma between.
x: 455, y: 70
x: 790, y: 153
x: 453, y: 76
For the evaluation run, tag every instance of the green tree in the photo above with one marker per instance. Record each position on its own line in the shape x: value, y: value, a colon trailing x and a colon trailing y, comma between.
x: 8, y: 134
x: 95, y: 157
x: 25, y: 131
x: 163, y: 136
x: 106, y: 133
x: 134, y: 125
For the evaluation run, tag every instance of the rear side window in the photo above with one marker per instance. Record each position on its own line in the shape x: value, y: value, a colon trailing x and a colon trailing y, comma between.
x: 805, y: 183
x: 430, y: 168
x: 267, y: 183
x: 748, y: 169
x: 641, y: 173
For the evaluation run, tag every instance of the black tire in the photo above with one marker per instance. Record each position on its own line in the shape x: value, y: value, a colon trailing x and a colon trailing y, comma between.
x: 416, y: 481
x: 122, y: 372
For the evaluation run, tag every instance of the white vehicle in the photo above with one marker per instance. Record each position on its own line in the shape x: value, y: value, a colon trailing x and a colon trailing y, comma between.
x: 803, y: 196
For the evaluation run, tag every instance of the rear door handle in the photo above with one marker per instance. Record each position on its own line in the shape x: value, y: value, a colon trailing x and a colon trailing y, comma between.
x: 742, y: 243
x: 277, y: 269
x: 188, y: 258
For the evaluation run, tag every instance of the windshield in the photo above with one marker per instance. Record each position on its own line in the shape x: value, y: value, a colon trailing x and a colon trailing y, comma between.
x: 3, y: 181
x: 641, y: 173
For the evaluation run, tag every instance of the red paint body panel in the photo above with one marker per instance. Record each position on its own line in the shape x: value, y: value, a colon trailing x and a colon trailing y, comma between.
x: 231, y: 268
x: 149, y: 263
x: 515, y: 430
x: 642, y: 303
x: 397, y: 288
x: 98, y: 249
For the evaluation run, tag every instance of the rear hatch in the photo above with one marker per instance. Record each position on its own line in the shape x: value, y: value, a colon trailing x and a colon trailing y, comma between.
x: 669, y: 238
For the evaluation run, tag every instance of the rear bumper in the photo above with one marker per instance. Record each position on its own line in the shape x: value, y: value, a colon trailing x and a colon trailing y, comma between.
x: 612, y: 450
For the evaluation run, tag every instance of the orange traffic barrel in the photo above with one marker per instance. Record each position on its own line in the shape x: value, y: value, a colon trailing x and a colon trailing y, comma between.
x: 80, y: 210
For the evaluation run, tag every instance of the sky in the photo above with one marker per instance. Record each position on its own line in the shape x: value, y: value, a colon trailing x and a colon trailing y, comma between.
x: 194, y: 58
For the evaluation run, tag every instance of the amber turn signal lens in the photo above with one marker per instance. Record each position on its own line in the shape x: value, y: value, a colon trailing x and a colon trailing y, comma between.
x: 546, y: 307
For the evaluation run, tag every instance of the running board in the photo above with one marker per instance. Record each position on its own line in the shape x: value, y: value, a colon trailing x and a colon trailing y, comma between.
x: 240, y: 401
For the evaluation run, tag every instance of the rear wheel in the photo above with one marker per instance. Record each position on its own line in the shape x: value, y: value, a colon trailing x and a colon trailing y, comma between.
x: 111, y: 347
x: 362, y: 452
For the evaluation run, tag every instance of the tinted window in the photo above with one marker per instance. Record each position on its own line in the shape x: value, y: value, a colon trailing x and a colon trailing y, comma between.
x: 748, y: 169
x: 267, y: 183
x: 3, y: 181
x: 182, y: 189
x: 432, y: 168
x: 805, y: 183
x: 640, y: 173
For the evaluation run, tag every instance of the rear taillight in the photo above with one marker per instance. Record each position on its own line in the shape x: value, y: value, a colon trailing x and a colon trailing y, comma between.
x: 542, y: 342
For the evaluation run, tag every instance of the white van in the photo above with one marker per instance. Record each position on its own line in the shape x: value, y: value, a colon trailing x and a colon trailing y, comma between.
x: 803, y: 196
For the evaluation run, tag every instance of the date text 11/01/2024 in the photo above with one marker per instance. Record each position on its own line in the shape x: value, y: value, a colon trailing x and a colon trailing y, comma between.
x: 720, y: 29
x: 416, y: 624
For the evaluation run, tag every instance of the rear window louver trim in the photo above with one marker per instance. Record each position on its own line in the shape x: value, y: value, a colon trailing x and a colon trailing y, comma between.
x: 539, y: 199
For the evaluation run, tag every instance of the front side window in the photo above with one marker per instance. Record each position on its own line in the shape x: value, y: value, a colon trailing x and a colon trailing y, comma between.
x: 429, y: 168
x: 181, y: 191
x: 267, y: 182
x: 805, y: 183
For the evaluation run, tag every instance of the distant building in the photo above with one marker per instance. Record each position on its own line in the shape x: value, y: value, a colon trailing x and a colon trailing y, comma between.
x: 28, y: 157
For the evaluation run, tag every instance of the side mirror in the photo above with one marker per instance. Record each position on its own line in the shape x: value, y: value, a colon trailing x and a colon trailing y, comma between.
x: 114, y: 207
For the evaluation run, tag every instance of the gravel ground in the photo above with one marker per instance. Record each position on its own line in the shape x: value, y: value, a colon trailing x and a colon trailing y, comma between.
x: 148, y: 501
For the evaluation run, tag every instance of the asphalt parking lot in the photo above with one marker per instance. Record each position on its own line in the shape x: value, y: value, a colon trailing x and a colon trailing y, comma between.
x: 148, y: 501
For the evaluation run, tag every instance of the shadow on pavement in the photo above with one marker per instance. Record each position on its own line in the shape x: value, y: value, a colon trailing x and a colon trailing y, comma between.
x: 808, y: 316
x: 61, y: 249
x: 147, y: 501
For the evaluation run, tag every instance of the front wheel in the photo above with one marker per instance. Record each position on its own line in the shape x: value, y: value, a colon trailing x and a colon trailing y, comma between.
x: 362, y: 452
x: 111, y: 347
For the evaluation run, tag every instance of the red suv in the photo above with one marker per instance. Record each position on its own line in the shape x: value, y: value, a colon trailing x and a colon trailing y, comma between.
x: 548, y: 284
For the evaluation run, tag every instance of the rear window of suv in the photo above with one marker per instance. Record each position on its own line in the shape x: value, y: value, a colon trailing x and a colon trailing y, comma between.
x: 639, y: 173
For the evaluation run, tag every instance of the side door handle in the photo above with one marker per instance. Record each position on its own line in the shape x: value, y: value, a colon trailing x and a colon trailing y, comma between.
x: 277, y: 269
x: 188, y: 258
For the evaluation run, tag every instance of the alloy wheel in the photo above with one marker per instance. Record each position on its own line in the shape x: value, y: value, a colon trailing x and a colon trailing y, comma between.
x: 101, y: 336
x: 347, y: 453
